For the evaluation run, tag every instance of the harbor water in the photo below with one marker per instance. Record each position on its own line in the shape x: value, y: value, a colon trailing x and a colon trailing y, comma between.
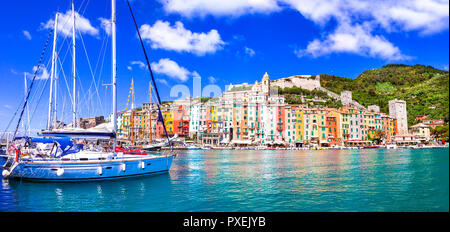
x: 237, y: 180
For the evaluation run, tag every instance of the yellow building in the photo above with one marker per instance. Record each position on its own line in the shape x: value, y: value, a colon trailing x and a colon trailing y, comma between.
x: 369, y: 127
x: 168, y: 121
x: 322, y: 127
x: 312, y: 123
x: 213, y: 118
x: 299, y: 128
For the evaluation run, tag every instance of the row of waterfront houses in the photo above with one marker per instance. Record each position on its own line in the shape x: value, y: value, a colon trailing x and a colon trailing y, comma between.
x: 254, y: 115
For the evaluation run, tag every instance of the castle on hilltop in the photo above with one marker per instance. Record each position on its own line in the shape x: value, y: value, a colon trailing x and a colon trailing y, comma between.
x: 308, y: 82
x: 304, y: 81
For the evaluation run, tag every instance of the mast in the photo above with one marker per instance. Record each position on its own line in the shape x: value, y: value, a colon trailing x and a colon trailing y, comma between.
x: 89, y: 103
x: 73, y: 69
x: 132, y: 93
x: 132, y: 111
x: 113, y: 35
x: 52, y: 76
x: 150, y: 111
x: 27, y: 125
x: 55, y: 77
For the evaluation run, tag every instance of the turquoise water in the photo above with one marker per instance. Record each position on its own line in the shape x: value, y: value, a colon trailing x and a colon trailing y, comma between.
x: 340, y: 180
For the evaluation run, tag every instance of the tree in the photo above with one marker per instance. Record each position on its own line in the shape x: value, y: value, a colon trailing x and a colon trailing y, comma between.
x: 440, y: 132
x: 377, y: 137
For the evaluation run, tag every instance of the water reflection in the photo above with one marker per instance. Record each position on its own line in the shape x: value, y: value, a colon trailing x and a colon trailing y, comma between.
x: 111, y: 195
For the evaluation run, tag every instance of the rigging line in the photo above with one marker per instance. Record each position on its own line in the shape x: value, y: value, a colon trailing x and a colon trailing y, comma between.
x: 101, y: 70
x: 85, y: 6
x: 96, y: 65
x: 151, y: 73
x: 32, y: 83
x: 32, y: 94
x: 65, y: 79
x: 83, y: 93
x: 39, y: 99
x: 63, y: 106
x: 67, y: 50
x: 90, y: 69
x: 102, y: 51
x: 40, y: 88
x: 12, y: 119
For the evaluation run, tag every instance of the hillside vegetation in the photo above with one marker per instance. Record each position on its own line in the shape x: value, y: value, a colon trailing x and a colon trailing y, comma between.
x: 314, y: 97
x: 424, y: 88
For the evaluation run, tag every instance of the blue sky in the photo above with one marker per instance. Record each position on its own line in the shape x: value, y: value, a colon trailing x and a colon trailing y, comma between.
x: 223, y: 42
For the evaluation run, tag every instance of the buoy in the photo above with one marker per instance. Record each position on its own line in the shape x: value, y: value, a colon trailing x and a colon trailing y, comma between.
x: 100, y: 171
x: 60, y: 171
x: 5, y: 173
x: 124, y: 167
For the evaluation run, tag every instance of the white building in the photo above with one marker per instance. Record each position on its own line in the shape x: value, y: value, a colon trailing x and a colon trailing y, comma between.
x: 397, y: 110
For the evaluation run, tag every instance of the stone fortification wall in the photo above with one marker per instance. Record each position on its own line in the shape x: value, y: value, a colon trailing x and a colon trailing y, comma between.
x: 304, y: 81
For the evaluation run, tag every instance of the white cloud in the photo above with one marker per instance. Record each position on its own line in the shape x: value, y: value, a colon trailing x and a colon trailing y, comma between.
x: 171, y: 69
x: 353, y: 39
x: 219, y: 7
x: 14, y: 72
x: 65, y: 21
x: 7, y: 106
x: 129, y: 68
x: 250, y: 52
x: 425, y: 16
x: 177, y: 38
x: 42, y: 73
x: 106, y: 25
x: 212, y: 80
x: 138, y: 63
x: 378, y: 18
x: 162, y: 81
x: 27, y: 34
x: 358, y: 20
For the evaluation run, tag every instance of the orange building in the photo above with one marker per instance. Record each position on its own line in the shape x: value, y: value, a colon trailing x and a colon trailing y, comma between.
x: 181, y: 120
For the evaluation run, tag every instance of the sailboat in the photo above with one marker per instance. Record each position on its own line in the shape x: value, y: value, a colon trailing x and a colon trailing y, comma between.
x: 56, y: 155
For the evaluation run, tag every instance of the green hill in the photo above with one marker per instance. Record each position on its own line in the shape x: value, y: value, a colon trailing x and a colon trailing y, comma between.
x: 424, y: 88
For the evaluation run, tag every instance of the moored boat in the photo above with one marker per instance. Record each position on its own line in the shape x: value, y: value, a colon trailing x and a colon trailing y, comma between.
x: 60, y: 156
x: 83, y: 165
x: 391, y: 146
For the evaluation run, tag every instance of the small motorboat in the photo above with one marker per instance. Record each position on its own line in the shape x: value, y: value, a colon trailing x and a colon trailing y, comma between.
x: 391, y: 146
x: 153, y: 147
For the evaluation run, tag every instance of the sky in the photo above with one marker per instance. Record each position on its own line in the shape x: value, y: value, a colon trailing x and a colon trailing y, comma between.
x: 221, y: 42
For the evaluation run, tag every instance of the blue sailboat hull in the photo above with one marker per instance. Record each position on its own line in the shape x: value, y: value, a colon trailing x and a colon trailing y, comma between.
x: 91, y: 170
x: 2, y: 161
